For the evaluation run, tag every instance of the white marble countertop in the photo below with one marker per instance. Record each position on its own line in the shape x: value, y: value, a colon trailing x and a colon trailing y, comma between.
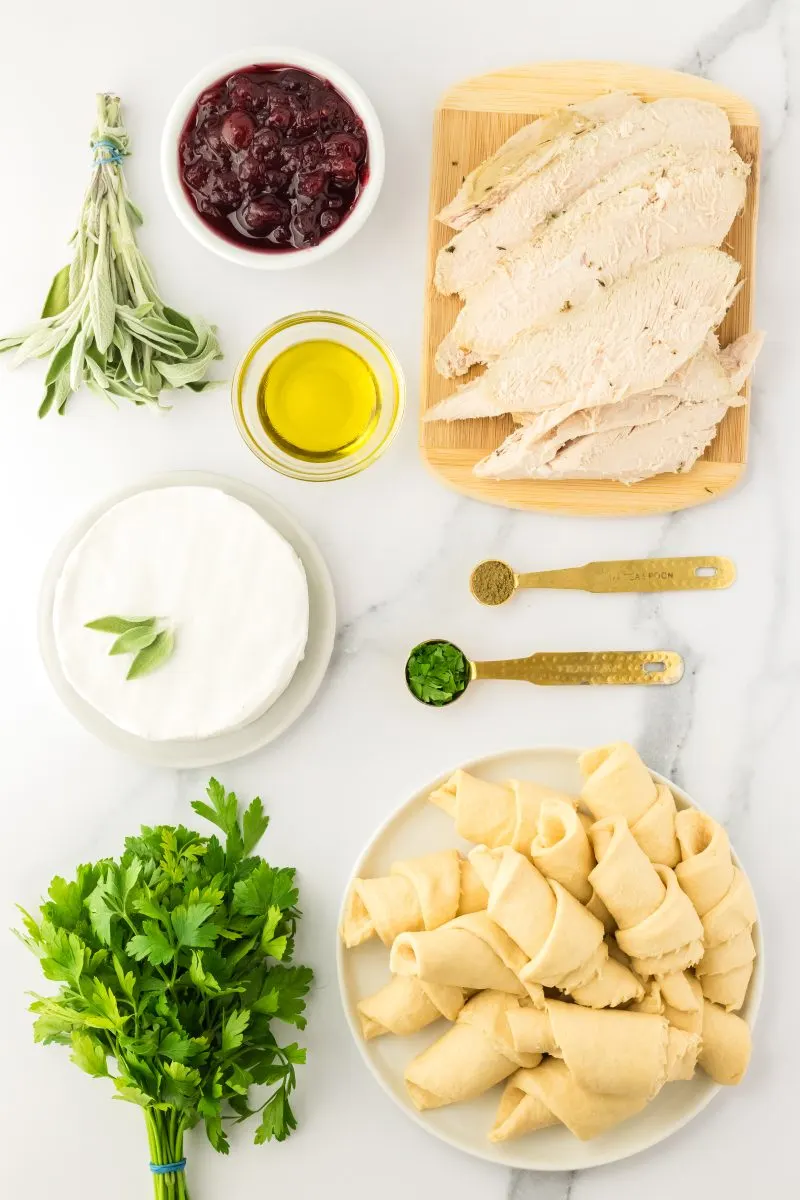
x: 400, y: 548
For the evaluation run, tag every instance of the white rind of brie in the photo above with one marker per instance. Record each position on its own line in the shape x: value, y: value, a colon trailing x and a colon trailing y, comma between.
x: 231, y: 587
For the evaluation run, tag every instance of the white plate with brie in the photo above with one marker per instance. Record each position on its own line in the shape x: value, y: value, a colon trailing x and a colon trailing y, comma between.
x: 244, y: 592
x: 419, y: 827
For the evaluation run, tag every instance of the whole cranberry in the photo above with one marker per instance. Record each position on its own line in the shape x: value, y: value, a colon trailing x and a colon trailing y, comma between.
x: 344, y: 145
x: 225, y: 191
x: 344, y: 171
x: 328, y: 221
x: 196, y: 175
x: 244, y: 92
x: 266, y: 145
x: 280, y: 117
x: 238, y: 129
x: 263, y: 214
x: 311, y: 184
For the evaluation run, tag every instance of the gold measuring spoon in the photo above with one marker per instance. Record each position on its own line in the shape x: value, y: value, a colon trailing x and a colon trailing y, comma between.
x: 493, y: 582
x: 438, y: 672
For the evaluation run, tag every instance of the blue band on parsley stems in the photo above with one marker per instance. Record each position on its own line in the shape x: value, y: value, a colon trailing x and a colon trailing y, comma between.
x: 168, y: 1168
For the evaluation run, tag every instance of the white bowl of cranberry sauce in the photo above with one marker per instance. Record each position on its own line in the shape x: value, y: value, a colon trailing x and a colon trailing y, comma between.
x: 272, y: 158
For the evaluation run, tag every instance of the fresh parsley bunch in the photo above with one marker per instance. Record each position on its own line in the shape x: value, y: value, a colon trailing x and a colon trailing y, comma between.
x: 172, y: 966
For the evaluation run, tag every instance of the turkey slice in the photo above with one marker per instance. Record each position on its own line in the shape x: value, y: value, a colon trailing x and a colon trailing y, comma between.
x: 638, y: 452
x: 527, y: 151
x: 473, y: 253
x: 711, y: 375
x: 676, y: 200
x: 629, y: 339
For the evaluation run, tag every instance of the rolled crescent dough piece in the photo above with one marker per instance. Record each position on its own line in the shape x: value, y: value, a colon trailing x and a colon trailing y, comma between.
x: 618, y: 784
x: 722, y: 896
x: 419, y: 893
x: 550, y: 1095
x: 562, y: 940
x: 469, y: 952
x: 495, y: 814
x: 726, y: 1047
x: 561, y: 849
x: 658, y: 926
x: 406, y: 1005
x: 471, y: 1057
x: 615, y: 1052
x: 677, y: 997
x: 614, y: 985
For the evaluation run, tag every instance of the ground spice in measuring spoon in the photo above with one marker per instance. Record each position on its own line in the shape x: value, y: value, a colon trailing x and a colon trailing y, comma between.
x: 492, y: 582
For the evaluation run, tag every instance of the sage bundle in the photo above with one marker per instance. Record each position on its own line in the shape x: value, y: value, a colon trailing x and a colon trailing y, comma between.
x: 104, y: 324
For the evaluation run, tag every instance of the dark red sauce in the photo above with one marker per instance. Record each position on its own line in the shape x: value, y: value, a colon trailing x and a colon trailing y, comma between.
x: 273, y: 158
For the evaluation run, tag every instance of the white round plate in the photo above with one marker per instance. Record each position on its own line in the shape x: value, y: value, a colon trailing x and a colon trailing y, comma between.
x: 418, y: 827
x: 224, y: 747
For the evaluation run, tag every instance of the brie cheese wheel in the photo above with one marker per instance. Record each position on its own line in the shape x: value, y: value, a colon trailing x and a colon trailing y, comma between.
x: 229, y: 586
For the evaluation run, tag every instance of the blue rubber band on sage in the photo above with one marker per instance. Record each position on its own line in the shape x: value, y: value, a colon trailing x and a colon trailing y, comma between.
x: 115, y: 155
x: 168, y: 1168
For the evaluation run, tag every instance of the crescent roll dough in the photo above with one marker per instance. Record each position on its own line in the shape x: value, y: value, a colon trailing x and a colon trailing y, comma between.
x: 495, y: 814
x: 420, y: 893
x: 562, y: 940
x: 678, y: 998
x: 550, y: 1095
x: 471, y: 1057
x: 614, y: 985
x: 615, y: 1052
x: 407, y: 1005
x: 618, y: 784
x: 658, y: 926
x: 721, y: 894
x: 469, y: 952
x: 725, y: 1052
x: 561, y: 849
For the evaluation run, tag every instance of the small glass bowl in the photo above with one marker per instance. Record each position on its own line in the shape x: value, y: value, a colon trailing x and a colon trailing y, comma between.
x: 313, y: 326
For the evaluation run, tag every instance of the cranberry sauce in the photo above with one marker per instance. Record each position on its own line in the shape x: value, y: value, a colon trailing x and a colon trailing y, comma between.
x: 273, y: 158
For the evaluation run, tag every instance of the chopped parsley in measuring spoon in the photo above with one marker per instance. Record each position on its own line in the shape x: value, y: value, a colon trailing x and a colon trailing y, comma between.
x: 437, y: 672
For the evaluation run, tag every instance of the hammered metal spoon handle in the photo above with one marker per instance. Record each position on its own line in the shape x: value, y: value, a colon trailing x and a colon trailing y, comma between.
x: 493, y: 582
x: 648, y: 667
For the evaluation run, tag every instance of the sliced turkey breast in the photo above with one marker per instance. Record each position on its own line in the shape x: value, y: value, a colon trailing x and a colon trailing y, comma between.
x: 467, y: 260
x: 527, y: 151
x: 629, y: 339
x: 674, y: 442
x: 710, y: 378
x: 679, y: 200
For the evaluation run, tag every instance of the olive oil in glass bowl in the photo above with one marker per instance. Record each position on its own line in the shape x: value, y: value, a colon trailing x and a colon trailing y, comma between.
x: 318, y: 396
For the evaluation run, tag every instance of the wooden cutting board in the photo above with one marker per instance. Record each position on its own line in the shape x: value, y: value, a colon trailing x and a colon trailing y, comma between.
x: 473, y: 119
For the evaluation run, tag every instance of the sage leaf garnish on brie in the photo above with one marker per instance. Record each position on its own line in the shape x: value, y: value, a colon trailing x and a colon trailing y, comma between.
x: 143, y: 637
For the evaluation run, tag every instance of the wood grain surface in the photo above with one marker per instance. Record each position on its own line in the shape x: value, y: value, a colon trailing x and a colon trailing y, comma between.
x: 473, y: 119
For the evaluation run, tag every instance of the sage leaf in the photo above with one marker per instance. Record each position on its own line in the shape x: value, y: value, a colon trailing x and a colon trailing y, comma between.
x: 119, y: 624
x: 134, y: 639
x: 58, y: 296
x: 152, y: 656
x: 60, y: 361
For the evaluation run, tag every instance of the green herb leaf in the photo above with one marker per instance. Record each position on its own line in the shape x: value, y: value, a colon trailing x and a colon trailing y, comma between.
x: 58, y: 296
x: 88, y: 1054
x: 233, y: 1030
x: 134, y: 639
x: 254, y: 825
x: 152, y: 656
x: 187, y: 923
x: 119, y: 624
